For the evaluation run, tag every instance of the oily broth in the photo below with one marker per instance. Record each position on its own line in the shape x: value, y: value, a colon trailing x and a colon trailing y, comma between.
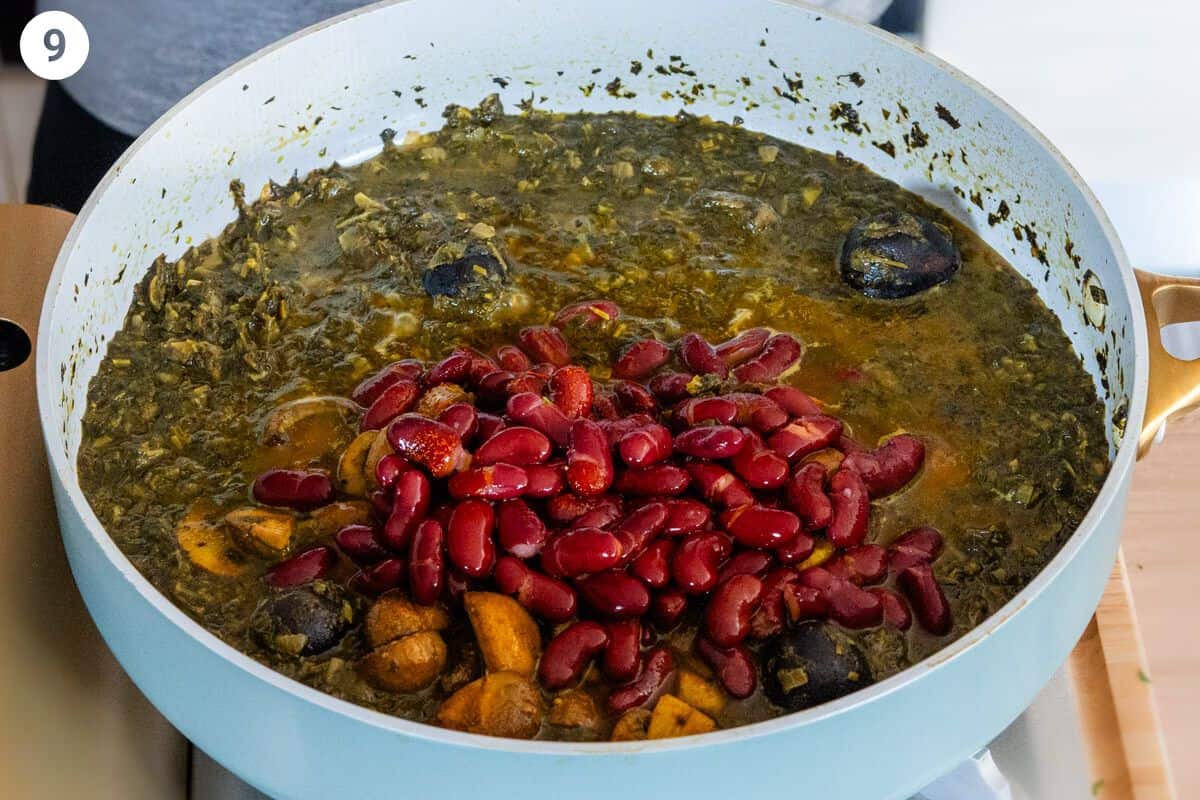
x: 317, y: 284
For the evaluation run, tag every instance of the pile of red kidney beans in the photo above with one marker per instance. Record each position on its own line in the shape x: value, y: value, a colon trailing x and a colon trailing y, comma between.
x: 616, y: 505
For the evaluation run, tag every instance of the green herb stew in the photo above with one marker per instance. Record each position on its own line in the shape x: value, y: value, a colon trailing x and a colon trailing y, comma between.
x: 590, y: 427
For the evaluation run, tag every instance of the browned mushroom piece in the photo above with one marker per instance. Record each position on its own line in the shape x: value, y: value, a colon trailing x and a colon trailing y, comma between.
x: 407, y: 664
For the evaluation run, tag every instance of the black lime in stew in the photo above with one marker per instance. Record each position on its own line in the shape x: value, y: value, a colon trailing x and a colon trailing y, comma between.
x: 590, y: 427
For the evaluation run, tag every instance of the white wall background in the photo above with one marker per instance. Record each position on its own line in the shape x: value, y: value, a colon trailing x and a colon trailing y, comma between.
x: 1115, y: 84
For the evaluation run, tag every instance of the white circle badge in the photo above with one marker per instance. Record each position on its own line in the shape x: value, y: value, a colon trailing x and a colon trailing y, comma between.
x: 54, y: 45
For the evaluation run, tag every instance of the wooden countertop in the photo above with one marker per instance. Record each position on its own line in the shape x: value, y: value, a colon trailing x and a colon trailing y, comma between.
x: 1162, y: 551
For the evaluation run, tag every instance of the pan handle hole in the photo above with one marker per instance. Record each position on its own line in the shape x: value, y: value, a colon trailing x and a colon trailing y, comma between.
x: 15, y: 346
x: 1181, y: 340
x: 1178, y: 310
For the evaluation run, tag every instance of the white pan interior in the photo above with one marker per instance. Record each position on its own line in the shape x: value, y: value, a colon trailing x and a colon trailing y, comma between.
x: 779, y: 67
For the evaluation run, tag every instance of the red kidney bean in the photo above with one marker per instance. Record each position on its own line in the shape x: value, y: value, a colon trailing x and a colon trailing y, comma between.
x: 615, y: 429
x: 746, y: 562
x: 571, y: 390
x: 293, y: 488
x: 758, y: 465
x: 804, y: 602
x: 805, y: 435
x: 462, y: 417
x: 469, y: 541
x: 381, y: 500
x: 567, y: 508
x: 493, y: 387
x: 865, y: 563
x: 652, y: 679
x: 928, y: 601
x: 635, y: 398
x: 426, y: 567
x: 529, y: 382
x: 519, y: 445
x: 851, y: 506
x: 710, y: 441
x: 493, y: 482
x: 760, y: 413
x: 379, y: 578
x: 614, y: 594
x: 848, y: 604
x: 667, y: 608
x: 781, y: 352
x: 580, y: 552
x: 701, y: 357
x: 796, y: 550
x: 660, y: 480
x: 427, y: 442
x: 653, y: 566
x: 536, y: 412
x: 727, y: 617
x: 604, y: 405
x: 602, y: 516
x: 640, y: 528
x: 793, y: 401
x: 544, y: 343
x: 389, y: 469
x: 512, y: 359
x: 623, y: 655
x: 589, y: 459
x: 895, y: 610
x: 545, y: 480
x: 743, y: 346
x: 697, y: 561
x: 410, y: 504
x: 769, y: 618
x: 302, y: 568
x: 481, y: 364
x: 733, y: 667
x: 758, y: 526
x: 686, y: 516
x: 454, y: 368
x: 890, y: 466
x: 805, y: 495
x: 568, y: 654
x: 718, y: 485
x: 917, y: 546
x: 645, y: 446
x: 519, y: 529
x: 487, y: 426
x: 588, y: 312
x: 670, y: 387
x: 361, y: 544
x: 640, y: 359
x: 526, y: 382
x: 369, y: 390
x: 697, y: 410
x: 543, y: 596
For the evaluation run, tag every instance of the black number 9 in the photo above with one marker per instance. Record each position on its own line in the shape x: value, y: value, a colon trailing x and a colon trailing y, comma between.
x: 56, y: 43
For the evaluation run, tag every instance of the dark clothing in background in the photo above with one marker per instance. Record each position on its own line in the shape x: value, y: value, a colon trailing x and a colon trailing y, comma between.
x: 145, y: 56
x: 71, y: 152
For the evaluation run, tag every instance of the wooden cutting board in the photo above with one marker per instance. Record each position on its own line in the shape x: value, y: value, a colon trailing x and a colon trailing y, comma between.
x: 1116, y: 701
x: 73, y: 725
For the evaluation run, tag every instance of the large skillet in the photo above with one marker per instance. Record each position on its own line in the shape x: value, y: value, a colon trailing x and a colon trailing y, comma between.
x: 326, y: 93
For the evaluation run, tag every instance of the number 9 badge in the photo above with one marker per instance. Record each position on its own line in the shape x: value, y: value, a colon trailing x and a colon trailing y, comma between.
x: 54, y: 45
